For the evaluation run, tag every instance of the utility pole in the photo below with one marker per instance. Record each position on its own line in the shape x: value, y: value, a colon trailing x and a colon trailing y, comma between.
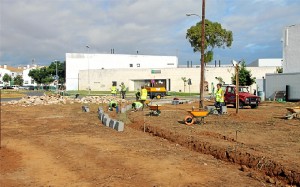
x: 89, y: 86
x: 56, y: 77
x: 237, y: 88
x: 0, y: 117
x: 201, y: 103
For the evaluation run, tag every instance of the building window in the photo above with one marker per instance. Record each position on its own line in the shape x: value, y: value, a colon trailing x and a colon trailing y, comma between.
x: 32, y: 81
x: 131, y: 65
x: 170, y: 64
x: 138, y: 65
x: 26, y: 82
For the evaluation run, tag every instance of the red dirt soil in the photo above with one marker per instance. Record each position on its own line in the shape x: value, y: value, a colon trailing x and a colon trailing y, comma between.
x: 59, y: 145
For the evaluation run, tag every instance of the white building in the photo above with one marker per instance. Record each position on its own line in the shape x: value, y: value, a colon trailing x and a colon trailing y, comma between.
x: 171, y: 78
x: 11, y: 71
x: 266, y: 62
x: 291, y: 49
x: 291, y: 66
x: 3, y: 71
x: 27, y: 80
x: 77, y: 61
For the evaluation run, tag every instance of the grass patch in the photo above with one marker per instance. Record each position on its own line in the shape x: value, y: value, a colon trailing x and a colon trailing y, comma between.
x: 12, y: 94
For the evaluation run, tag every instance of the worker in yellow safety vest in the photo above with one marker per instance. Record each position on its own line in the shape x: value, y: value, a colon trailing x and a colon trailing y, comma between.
x: 219, y: 98
x: 112, y: 104
x: 113, y: 90
x: 123, y: 90
x: 137, y: 106
x: 143, y: 96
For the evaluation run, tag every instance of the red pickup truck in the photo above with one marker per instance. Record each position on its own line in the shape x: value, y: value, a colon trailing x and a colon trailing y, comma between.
x: 245, y: 98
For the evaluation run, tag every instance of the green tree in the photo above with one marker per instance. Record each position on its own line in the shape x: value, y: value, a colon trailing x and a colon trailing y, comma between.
x: 245, y: 78
x: 215, y: 36
x: 18, y: 80
x: 220, y: 80
x: 46, y: 75
x: 184, y: 79
x: 41, y: 75
x: 6, y: 78
x: 61, y: 70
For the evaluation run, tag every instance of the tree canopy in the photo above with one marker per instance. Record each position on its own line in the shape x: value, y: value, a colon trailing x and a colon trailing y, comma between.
x: 18, y: 80
x: 245, y: 76
x: 215, y: 36
x: 6, y: 78
x: 46, y: 75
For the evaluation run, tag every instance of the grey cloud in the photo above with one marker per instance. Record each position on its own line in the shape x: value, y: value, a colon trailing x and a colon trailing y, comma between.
x: 47, y: 29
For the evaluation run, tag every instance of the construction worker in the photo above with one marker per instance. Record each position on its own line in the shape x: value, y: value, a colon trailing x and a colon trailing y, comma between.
x: 219, y: 98
x: 137, y: 106
x: 143, y: 96
x: 112, y: 104
x: 113, y: 90
x: 137, y: 95
x: 123, y: 90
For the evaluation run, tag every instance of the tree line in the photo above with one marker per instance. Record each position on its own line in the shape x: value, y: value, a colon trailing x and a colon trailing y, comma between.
x: 45, y: 75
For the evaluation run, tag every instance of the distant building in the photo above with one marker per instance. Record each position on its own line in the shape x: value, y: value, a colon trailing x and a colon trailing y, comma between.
x: 266, y: 62
x: 291, y: 49
x: 11, y: 71
x: 288, y: 80
x: 27, y: 80
x: 78, y: 61
x: 15, y: 71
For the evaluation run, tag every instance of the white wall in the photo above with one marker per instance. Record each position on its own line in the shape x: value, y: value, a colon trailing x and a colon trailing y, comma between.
x: 28, y: 80
x: 101, y: 80
x: 291, y: 49
x: 266, y: 62
x: 4, y: 71
x: 77, y: 61
x: 278, y: 82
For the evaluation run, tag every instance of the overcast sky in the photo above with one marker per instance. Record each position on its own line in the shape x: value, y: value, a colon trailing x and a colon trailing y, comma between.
x: 44, y: 30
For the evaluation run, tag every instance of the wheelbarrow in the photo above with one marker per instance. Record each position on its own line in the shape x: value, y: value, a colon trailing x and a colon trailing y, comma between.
x: 293, y: 112
x: 155, y: 110
x: 196, y: 117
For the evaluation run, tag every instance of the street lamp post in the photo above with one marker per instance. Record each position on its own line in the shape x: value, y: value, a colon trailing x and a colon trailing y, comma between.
x: 56, y: 77
x: 201, y: 104
x: 237, y: 89
x: 89, y: 88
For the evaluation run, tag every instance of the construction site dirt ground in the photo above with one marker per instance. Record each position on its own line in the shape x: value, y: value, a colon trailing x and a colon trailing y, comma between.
x: 60, y: 145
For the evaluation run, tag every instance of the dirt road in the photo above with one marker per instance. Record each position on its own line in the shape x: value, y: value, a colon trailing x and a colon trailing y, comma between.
x: 59, y: 145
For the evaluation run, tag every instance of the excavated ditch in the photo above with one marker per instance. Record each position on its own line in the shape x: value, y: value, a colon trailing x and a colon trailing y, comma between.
x: 234, y: 153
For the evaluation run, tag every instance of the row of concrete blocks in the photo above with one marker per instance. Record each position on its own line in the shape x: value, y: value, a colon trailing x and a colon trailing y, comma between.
x: 107, y: 121
x: 214, y: 111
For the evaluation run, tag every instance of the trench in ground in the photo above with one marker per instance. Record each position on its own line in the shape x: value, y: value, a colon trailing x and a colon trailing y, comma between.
x: 237, y: 153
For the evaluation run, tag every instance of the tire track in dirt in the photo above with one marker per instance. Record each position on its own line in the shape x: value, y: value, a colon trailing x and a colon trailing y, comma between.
x: 235, y: 153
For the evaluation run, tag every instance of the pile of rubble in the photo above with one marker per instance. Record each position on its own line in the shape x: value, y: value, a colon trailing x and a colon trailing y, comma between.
x: 58, y: 99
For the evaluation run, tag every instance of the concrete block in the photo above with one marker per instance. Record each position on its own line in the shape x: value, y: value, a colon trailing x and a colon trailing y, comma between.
x: 119, y: 126
x: 111, y: 123
x: 100, y: 110
x: 210, y: 108
x: 123, y: 110
x: 224, y: 109
x: 104, y: 119
x: 128, y: 107
x: 100, y: 116
x: 175, y: 102
x: 85, y: 109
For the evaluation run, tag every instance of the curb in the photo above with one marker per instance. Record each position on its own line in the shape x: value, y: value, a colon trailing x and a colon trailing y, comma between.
x: 106, y: 121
